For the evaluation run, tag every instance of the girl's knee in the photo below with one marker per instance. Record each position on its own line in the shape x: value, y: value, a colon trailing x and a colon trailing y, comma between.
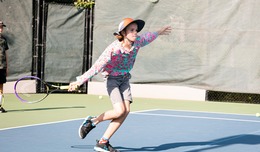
x: 121, y: 112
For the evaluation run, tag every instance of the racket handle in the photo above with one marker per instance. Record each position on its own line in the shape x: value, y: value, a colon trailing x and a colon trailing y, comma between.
x: 64, y: 87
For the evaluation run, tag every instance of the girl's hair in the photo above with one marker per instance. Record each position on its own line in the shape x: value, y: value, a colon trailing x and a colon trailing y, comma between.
x: 120, y: 37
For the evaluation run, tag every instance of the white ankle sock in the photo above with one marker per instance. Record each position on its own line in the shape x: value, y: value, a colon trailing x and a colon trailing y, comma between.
x: 1, y: 97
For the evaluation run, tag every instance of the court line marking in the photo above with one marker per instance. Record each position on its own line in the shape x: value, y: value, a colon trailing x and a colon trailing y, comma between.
x: 62, y: 121
x: 47, y: 123
x: 148, y: 110
x: 142, y: 112
x: 223, y: 113
x: 198, y: 117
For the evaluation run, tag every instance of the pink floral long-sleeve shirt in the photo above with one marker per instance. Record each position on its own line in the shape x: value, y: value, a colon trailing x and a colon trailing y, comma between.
x: 115, y: 60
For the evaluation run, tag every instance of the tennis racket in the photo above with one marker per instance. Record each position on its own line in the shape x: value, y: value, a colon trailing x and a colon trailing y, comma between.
x: 25, y: 89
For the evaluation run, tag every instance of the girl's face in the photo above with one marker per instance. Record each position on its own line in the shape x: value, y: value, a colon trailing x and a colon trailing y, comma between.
x: 131, y: 32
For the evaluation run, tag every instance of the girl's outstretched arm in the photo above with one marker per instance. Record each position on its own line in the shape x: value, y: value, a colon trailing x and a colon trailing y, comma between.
x: 166, y: 30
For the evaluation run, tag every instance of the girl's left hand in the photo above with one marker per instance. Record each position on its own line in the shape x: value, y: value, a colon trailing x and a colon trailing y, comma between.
x: 165, y: 30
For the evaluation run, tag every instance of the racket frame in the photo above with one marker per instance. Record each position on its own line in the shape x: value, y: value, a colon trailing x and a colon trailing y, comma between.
x: 47, y: 86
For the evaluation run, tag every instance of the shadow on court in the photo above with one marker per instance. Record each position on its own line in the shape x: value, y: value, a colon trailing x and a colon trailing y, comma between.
x: 244, y: 139
x: 43, y: 109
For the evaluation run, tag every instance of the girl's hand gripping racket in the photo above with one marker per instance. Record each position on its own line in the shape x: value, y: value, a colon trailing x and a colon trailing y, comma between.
x: 25, y: 89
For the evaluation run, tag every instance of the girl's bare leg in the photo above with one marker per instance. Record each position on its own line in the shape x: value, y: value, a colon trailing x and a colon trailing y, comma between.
x: 117, y: 115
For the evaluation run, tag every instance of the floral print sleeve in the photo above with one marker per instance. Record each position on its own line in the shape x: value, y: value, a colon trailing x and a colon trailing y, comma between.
x: 102, y: 61
x: 147, y: 38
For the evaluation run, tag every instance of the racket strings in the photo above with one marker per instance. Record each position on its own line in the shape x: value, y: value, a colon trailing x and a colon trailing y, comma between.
x: 31, y: 90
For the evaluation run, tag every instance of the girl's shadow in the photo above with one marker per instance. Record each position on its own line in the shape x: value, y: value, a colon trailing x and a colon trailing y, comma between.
x: 245, y: 139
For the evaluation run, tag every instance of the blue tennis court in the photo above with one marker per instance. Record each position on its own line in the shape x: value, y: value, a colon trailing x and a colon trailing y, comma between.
x: 152, y: 130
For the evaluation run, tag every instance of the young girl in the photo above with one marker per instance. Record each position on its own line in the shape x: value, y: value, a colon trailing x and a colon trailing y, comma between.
x: 115, y: 64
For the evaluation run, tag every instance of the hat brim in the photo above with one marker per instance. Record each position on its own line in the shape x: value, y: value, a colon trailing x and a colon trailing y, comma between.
x: 140, y: 24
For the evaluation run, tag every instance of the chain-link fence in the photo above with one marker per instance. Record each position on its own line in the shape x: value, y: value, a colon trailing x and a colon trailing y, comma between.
x: 232, y: 97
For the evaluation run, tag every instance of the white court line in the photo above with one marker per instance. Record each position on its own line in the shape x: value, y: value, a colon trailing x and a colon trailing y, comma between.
x: 54, y: 122
x: 224, y: 113
x: 141, y: 112
x: 149, y: 110
x: 198, y: 117
x: 47, y: 123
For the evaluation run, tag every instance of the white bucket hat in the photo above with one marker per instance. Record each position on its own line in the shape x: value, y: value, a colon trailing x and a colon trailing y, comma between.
x: 126, y: 22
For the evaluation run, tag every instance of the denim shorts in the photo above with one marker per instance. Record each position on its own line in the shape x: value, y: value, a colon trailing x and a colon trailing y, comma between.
x: 118, y: 88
